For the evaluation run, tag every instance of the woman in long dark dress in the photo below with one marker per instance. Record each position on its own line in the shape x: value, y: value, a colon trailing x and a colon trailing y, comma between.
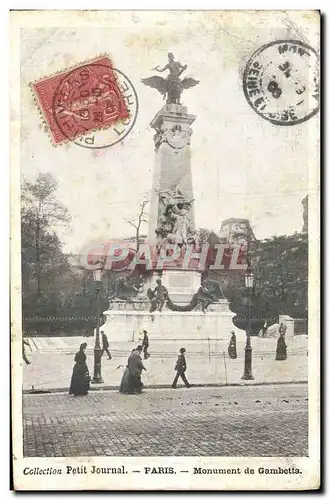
x: 80, y: 376
x: 281, y: 348
x: 126, y: 381
x: 232, y: 353
x: 131, y: 379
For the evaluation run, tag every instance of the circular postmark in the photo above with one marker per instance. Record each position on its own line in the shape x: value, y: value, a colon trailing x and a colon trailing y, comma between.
x: 281, y: 82
x: 96, y: 107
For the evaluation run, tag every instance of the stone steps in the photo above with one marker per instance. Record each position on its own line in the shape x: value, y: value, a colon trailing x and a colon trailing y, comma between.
x: 161, y: 348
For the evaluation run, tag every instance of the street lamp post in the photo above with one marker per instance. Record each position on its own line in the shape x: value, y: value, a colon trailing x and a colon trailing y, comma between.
x: 249, y: 281
x: 97, y: 378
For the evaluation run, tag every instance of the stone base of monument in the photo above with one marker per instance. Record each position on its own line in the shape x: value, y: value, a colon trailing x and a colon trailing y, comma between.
x: 180, y: 284
x: 125, y: 322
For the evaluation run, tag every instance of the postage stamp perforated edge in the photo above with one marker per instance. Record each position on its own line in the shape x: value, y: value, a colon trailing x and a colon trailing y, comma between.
x: 39, y: 106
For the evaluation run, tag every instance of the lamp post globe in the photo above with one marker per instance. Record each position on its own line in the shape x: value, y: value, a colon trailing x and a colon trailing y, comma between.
x: 249, y: 280
x: 97, y: 274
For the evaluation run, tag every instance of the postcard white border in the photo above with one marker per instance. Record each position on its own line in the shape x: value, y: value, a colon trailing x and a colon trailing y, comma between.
x: 310, y: 466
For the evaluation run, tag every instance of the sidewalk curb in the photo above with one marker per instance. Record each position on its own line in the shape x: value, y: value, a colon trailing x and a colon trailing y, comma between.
x: 165, y: 386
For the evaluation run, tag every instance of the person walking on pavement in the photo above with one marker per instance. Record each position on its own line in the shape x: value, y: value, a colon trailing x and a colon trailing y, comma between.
x: 281, y: 354
x: 105, y: 345
x: 135, y: 367
x: 145, y: 344
x: 24, y: 343
x: 282, y: 329
x: 126, y: 382
x: 232, y: 352
x: 180, y: 368
x: 80, y: 380
x: 264, y: 329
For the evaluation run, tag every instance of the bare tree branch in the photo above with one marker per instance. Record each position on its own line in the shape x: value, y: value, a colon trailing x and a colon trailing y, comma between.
x: 136, y: 223
x: 132, y: 223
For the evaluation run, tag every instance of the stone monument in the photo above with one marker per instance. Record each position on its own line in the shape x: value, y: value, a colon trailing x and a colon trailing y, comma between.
x: 174, y: 305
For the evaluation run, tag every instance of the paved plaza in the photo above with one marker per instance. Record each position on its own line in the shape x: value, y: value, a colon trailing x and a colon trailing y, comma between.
x: 224, y: 421
x: 208, y: 363
x: 238, y: 418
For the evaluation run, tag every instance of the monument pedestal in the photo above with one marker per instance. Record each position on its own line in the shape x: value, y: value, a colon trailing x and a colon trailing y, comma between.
x: 181, y: 284
x: 125, y: 322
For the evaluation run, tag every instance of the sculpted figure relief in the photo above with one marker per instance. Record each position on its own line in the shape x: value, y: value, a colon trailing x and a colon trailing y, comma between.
x: 157, y: 297
x: 177, y: 136
x: 209, y: 293
x: 174, y: 222
x: 172, y: 86
x: 125, y: 288
x: 181, y: 224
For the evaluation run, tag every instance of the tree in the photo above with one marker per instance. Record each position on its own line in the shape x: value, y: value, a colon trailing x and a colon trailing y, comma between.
x: 281, y: 274
x: 280, y: 268
x: 230, y: 281
x: 137, y: 223
x: 43, y: 261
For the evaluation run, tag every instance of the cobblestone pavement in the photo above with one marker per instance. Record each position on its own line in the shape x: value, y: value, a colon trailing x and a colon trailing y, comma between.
x: 207, y: 363
x: 226, y: 421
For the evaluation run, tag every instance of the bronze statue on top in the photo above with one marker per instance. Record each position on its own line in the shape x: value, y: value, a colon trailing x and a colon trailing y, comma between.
x: 172, y: 86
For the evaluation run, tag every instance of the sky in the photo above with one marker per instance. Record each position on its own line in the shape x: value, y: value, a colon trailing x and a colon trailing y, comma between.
x: 242, y: 165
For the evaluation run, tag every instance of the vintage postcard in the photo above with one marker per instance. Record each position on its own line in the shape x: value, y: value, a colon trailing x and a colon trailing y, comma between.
x: 165, y: 250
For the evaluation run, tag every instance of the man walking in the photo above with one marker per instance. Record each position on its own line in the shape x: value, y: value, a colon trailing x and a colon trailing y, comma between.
x: 105, y: 345
x: 180, y: 368
x: 145, y: 344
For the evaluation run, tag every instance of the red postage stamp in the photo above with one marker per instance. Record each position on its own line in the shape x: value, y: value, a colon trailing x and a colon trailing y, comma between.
x: 81, y: 100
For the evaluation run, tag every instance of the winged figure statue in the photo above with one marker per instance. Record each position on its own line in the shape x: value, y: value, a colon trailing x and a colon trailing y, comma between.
x: 172, y: 86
